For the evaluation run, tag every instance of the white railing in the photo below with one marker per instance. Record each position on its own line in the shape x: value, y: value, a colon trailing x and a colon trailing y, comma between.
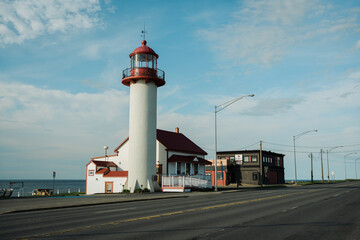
x: 197, y: 181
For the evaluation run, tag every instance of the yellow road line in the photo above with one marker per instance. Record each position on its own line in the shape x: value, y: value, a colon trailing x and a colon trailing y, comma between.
x: 172, y: 213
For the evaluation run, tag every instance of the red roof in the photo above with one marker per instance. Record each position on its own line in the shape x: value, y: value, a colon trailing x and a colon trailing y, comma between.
x: 104, y: 164
x: 175, y: 142
x: 116, y: 174
x: 178, y: 142
x: 188, y: 159
x: 144, y: 49
x: 102, y: 171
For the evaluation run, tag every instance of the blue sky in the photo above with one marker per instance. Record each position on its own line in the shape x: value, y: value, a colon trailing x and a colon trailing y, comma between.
x: 61, y: 62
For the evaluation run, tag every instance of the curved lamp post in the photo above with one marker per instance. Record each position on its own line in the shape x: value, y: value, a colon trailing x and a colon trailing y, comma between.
x: 218, y: 108
x: 355, y: 168
x: 294, y: 138
x: 345, y: 161
x: 327, y: 159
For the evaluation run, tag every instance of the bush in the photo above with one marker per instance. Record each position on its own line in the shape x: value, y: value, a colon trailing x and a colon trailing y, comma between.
x: 126, y: 191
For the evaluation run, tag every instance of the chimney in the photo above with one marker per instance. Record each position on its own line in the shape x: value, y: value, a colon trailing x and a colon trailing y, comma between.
x: 177, y: 130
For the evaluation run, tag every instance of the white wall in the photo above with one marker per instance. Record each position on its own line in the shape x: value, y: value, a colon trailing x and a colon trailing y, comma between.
x: 122, y: 159
x: 161, y: 156
x: 96, y: 183
x: 142, y: 135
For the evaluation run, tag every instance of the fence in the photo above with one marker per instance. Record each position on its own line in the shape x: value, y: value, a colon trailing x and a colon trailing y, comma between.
x: 197, y: 181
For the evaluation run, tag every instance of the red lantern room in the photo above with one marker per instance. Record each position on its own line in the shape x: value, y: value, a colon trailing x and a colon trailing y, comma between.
x: 143, y: 66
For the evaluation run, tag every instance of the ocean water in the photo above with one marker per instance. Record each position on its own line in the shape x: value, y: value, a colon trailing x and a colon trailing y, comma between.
x: 25, y: 187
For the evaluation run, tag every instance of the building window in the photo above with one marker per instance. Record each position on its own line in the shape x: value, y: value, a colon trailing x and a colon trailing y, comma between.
x: 278, y: 161
x: 220, y: 176
x: 254, y: 158
x: 178, y: 168
x: 255, y: 176
x: 187, y: 168
x: 196, y: 168
x: 246, y: 158
x: 91, y: 172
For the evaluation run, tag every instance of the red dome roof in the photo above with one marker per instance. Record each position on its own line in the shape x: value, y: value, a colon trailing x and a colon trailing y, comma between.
x: 144, y: 49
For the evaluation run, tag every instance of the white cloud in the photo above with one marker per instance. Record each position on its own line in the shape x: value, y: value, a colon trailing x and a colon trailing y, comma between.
x: 45, y: 126
x: 357, y: 46
x: 333, y: 109
x: 21, y: 20
x: 263, y: 32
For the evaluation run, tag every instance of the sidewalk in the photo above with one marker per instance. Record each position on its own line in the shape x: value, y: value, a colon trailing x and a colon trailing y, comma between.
x: 13, y: 205
x: 26, y: 204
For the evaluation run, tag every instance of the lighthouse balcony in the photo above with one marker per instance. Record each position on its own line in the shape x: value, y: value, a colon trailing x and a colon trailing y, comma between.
x: 149, y: 74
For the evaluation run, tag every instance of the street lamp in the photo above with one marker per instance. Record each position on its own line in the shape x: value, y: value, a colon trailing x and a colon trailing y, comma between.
x: 355, y: 168
x: 294, y: 138
x: 106, y: 148
x: 218, y: 108
x: 327, y: 159
x: 345, y: 161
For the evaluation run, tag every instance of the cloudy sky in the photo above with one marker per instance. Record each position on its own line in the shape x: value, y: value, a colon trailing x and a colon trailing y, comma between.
x: 62, y: 101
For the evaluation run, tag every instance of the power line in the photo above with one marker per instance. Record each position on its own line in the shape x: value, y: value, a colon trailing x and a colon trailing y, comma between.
x: 323, y: 147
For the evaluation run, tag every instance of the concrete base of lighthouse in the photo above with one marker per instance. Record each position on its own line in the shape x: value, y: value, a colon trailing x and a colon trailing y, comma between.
x: 142, y: 135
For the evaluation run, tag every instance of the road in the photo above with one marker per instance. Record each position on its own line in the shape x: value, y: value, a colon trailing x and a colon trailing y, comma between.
x: 328, y: 211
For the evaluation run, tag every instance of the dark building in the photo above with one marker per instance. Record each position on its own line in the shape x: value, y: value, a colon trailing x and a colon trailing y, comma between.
x: 245, y: 167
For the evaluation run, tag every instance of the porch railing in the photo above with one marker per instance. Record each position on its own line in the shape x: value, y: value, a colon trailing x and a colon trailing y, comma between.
x: 197, y: 181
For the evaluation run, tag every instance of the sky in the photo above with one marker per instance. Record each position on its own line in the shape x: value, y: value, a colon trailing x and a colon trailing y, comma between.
x: 62, y: 100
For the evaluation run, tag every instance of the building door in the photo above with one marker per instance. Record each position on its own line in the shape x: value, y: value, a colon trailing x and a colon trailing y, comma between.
x: 108, y: 187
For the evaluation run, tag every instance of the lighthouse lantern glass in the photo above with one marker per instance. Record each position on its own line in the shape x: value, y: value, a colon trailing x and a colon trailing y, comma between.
x: 143, y: 61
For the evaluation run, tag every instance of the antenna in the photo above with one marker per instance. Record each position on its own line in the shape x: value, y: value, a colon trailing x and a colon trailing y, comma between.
x: 143, y: 32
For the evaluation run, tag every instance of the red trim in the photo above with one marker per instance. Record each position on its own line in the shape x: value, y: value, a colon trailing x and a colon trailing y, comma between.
x: 158, y: 81
x: 116, y: 174
x: 94, y: 158
x: 112, y: 187
x: 117, y: 148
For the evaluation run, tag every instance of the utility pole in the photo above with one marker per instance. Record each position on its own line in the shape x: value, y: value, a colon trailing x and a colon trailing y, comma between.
x: 327, y: 159
x: 312, y: 171
x: 322, y: 170
x: 261, y: 165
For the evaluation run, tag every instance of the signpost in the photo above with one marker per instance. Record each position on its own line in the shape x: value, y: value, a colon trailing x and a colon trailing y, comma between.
x: 54, y: 175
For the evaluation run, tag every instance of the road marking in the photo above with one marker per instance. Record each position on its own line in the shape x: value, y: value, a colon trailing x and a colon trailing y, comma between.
x: 115, y: 210
x: 170, y: 214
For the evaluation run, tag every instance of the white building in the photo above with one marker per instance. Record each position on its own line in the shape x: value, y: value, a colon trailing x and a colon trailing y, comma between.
x: 176, y: 155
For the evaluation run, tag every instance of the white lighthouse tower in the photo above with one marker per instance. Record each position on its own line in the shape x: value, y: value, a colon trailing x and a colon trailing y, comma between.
x: 144, y: 78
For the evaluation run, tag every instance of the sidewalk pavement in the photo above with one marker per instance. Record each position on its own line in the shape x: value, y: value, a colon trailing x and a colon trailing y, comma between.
x: 26, y: 204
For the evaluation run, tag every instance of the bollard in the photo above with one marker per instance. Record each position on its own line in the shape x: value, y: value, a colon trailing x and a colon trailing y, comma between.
x: 79, y: 190
x: 69, y: 190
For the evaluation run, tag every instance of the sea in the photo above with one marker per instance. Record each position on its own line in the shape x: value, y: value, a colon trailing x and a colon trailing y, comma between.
x: 26, y: 187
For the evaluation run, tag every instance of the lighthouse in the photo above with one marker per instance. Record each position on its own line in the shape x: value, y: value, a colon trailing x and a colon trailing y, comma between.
x: 143, y: 77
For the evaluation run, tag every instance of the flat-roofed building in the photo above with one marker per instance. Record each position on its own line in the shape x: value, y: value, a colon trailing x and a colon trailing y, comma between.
x: 244, y: 167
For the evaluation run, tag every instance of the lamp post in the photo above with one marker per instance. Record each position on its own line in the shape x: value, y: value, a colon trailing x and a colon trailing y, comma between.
x: 106, y: 148
x: 327, y: 159
x: 355, y: 168
x: 217, y: 109
x: 294, y: 138
x: 345, y: 161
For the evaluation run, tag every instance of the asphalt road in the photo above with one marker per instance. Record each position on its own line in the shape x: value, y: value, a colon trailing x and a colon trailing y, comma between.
x: 329, y: 211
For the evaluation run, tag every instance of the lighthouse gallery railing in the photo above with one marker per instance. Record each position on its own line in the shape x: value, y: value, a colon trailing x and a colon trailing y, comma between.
x: 138, y: 71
